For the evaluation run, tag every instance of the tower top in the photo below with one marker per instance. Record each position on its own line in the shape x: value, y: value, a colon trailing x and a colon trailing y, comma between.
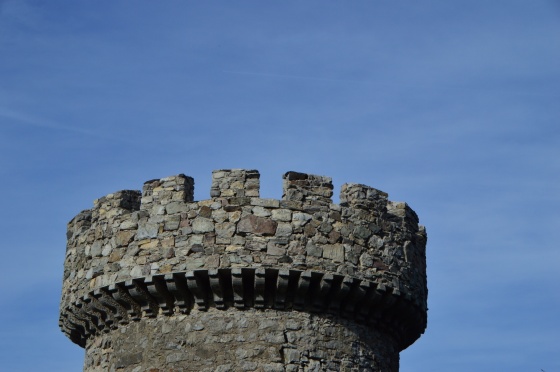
x: 158, y: 253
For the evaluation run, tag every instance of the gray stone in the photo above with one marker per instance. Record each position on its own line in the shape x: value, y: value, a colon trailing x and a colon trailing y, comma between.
x: 274, y: 250
x: 313, y: 250
x: 300, y: 219
x: 362, y: 232
x: 219, y: 215
x: 202, y: 225
x: 225, y: 229
x: 366, y: 260
x: 106, y: 250
x: 95, y: 250
x: 195, y: 263
x: 284, y: 230
x: 128, y: 359
x: 128, y: 224
x: 147, y: 230
x: 375, y: 242
x: 291, y: 355
x: 261, y: 212
x: 136, y: 271
x: 282, y: 215
x: 176, y: 357
x: 270, y: 203
x: 334, y: 252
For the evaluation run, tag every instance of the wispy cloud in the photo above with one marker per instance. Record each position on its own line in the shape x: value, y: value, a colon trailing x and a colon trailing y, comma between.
x: 19, y: 118
x: 288, y: 76
x: 16, y: 118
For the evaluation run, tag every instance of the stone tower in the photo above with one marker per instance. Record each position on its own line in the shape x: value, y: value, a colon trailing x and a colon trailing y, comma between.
x: 154, y: 281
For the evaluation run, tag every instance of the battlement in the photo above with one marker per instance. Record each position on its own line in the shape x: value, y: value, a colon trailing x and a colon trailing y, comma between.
x: 301, y: 187
x: 179, y: 188
x: 228, y: 183
x: 238, y: 187
x: 116, y: 204
x: 362, y: 259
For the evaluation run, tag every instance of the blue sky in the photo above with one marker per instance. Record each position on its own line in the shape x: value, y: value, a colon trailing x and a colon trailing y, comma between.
x: 451, y: 106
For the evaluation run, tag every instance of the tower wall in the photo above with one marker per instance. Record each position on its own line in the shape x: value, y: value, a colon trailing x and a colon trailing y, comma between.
x: 156, y: 280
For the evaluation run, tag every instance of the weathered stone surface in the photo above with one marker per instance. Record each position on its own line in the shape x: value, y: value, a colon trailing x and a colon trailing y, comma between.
x: 148, y: 230
x: 269, y: 203
x: 313, y: 250
x: 128, y: 224
x: 335, y: 252
x: 225, y: 229
x: 124, y: 237
x: 282, y: 215
x: 175, y: 207
x: 299, y: 219
x: 202, y: 225
x: 243, y: 341
x: 275, y: 250
x: 96, y: 249
x: 284, y: 230
x: 362, y: 232
x: 256, y: 225
x: 261, y: 211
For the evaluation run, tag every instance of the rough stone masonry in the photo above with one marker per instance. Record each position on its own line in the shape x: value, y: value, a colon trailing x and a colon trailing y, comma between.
x: 154, y: 281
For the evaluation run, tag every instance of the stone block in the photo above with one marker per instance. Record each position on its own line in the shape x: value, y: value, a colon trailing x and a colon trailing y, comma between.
x: 256, y: 225
x: 334, y: 252
x: 202, y: 225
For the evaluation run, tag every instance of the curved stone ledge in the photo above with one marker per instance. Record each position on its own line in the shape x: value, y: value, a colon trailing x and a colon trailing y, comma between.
x: 363, y: 301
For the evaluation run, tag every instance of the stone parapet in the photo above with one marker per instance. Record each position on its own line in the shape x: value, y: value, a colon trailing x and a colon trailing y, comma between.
x: 158, y: 253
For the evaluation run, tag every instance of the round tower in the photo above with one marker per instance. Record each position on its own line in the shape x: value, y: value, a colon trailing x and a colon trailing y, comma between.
x: 155, y: 281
